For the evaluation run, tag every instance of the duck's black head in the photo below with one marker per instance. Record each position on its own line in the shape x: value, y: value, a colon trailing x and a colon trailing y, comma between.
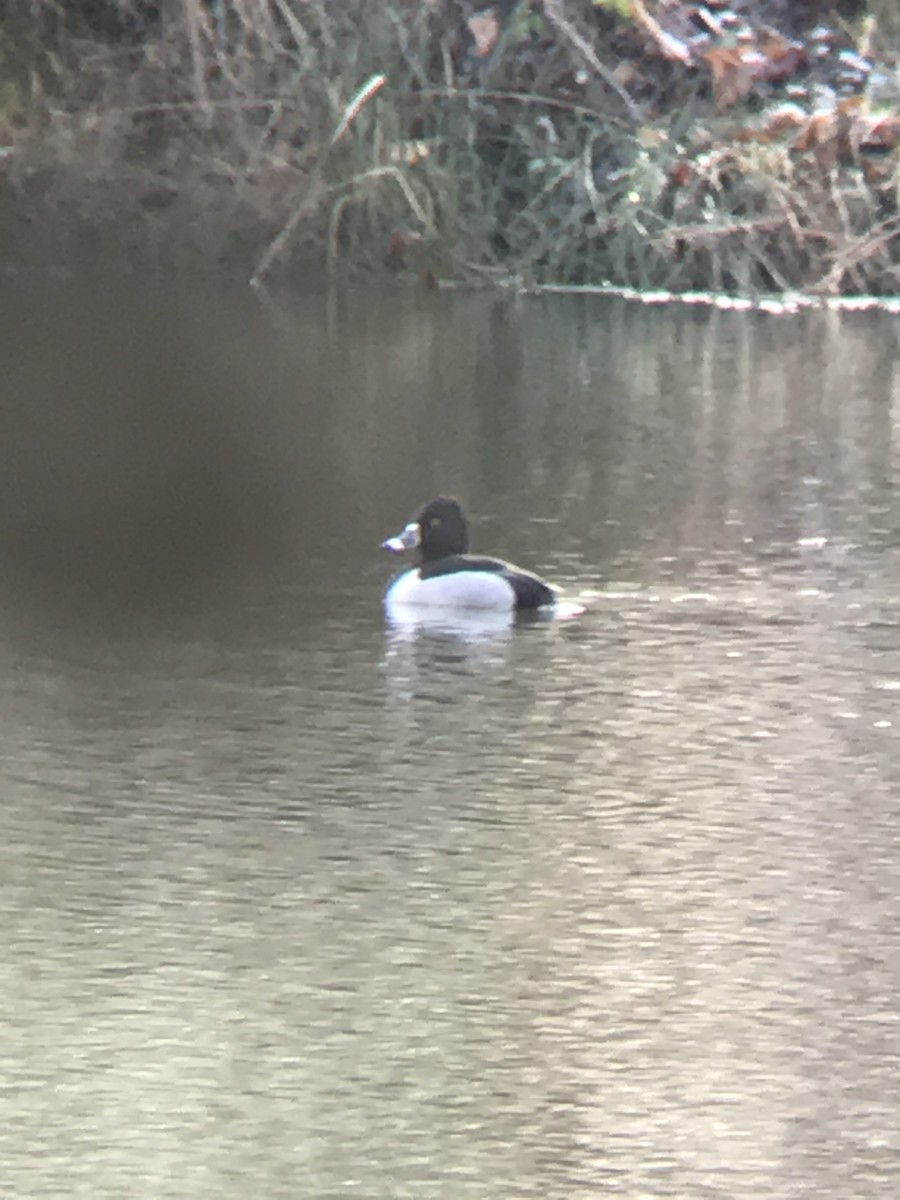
x: 444, y: 529
x: 438, y: 529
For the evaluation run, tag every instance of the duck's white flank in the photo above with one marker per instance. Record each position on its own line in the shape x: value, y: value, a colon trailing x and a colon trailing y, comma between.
x: 459, y: 589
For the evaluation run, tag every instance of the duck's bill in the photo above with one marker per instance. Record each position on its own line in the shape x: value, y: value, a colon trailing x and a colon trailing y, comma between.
x: 407, y: 540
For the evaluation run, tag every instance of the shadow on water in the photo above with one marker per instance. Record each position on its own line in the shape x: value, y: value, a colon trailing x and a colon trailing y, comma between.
x: 153, y: 446
x: 551, y: 909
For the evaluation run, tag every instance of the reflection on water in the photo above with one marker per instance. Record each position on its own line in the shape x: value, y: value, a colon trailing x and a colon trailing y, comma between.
x: 295, y: 898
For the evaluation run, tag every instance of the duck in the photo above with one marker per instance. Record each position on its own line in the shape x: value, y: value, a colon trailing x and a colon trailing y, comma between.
x: 448, y: 576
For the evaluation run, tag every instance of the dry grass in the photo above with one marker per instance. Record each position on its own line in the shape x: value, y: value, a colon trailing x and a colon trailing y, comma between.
x: 289, y: 135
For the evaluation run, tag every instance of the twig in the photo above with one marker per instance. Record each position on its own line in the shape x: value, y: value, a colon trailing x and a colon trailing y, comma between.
x: 670, y: 47
x: 703, y: 232
x: 851, y: 256
x: 469, y: 94
x: 362, y: 97
x: 310, y: 202
x: 375, y: 173
x: 553, y: 12
x: 393, y: 173
x: 334, y: 224
x: 299, y: 34
x: 194, y: 37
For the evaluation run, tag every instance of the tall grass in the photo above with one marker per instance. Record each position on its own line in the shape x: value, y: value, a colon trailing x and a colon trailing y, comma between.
x: 300, y: 136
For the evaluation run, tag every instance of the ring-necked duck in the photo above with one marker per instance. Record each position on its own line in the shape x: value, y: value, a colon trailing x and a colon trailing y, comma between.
x: 448, y: 576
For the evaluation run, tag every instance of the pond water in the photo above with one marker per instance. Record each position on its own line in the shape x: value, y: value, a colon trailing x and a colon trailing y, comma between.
x: 293, y: 903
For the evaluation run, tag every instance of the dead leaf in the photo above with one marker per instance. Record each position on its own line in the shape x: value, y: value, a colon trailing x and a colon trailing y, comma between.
x: 781, y: 58
x: 651, y: 138
x: 409, y: 153
x: 485, y: 29
x: 625, y: 73
x: 680, y: 173
x: 776, y: 123
x: 821, y: 138
x: 732, y: 75
x: 852, y: 106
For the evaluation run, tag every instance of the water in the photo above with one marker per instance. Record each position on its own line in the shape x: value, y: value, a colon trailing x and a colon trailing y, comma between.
x: 297, y: 903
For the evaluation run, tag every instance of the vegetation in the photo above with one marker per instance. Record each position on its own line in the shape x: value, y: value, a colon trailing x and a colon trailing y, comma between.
x: 661, y: 146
